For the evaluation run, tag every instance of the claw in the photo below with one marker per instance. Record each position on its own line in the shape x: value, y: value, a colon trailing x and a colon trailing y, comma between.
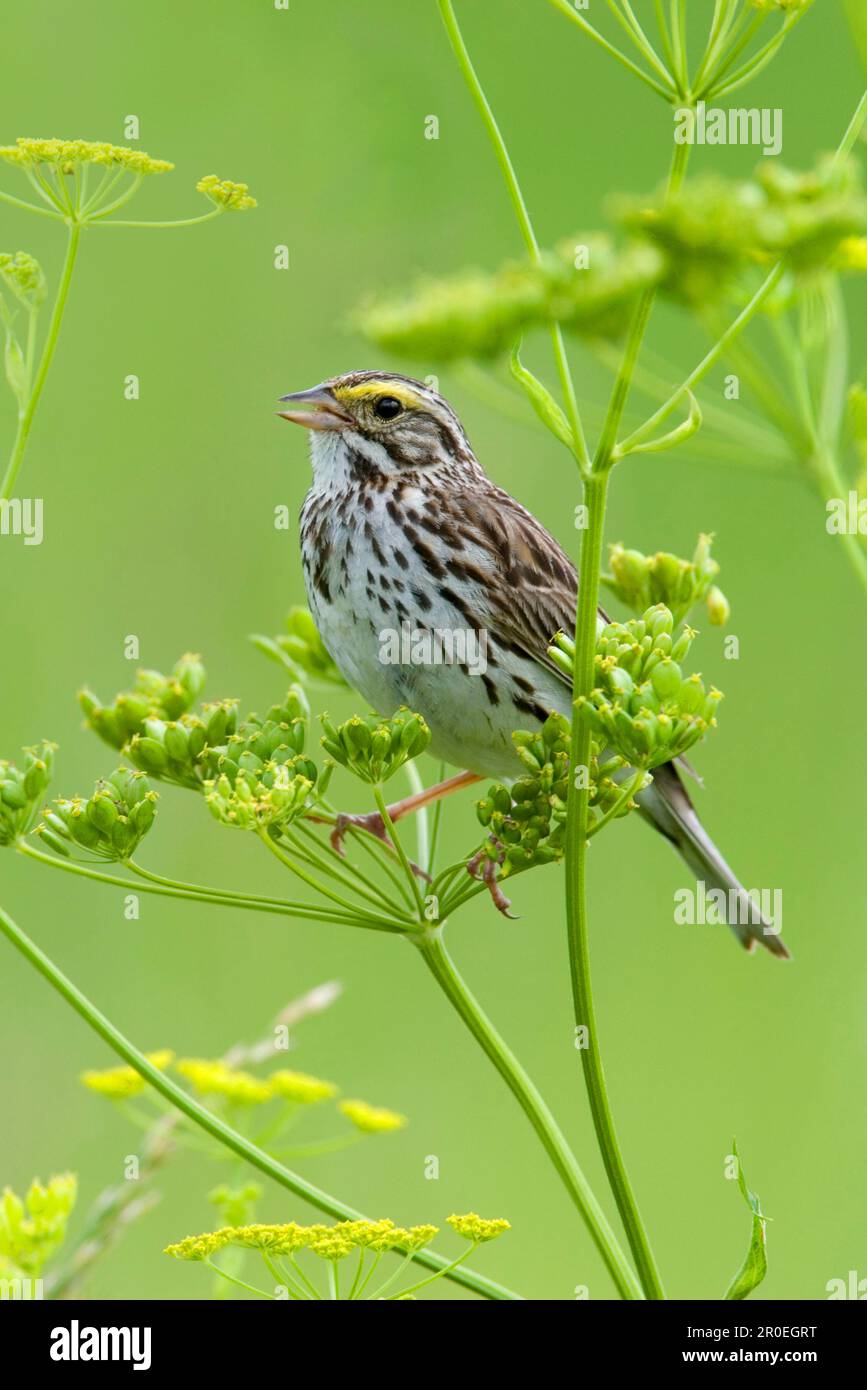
x: 373, y: 823
x: 484, y: 869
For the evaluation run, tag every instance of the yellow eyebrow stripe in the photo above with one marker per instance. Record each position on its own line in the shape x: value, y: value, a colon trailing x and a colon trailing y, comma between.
x: 367, y: 389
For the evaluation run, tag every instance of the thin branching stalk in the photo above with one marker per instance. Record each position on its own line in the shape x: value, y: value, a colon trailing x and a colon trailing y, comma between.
x: 25, y: 420
x: 442, y: 968
x: 524, y: 221
x: 211, y: 1123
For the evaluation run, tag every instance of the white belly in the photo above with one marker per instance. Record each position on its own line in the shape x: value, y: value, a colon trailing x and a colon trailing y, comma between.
x: 366, y: 624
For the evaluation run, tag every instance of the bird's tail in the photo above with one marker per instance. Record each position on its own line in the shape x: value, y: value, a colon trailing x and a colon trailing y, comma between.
x: 667, y: 806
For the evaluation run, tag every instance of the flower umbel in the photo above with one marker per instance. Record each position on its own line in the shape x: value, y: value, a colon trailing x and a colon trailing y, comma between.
x: 641, y: 581
x: 110, y: 824
x: 478, y: 1228
x: 371, y: 1119
x: 22, y: 789
x: 228, y: 196
x: 22, y: 275
x: 122, y: 1083
x: 32, y: 1228
x: 216, y: 1078
x: 375, y: 749
x: 369, y: 1240
x: 64, y: 155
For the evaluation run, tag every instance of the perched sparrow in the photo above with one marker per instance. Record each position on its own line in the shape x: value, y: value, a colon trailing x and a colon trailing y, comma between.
x: 402, y: 531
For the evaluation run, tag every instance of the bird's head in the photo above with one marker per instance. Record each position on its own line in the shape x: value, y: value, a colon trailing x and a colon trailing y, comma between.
x: 388, y: 422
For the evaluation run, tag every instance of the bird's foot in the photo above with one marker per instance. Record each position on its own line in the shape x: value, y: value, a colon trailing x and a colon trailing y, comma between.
x: 483, y: 868
x: 373, y: 824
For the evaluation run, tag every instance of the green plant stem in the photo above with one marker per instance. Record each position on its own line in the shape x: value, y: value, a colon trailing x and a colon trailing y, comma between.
x: 630, y: 790
x: 190, y: 893
x: 566, y: 9
x: 383, y: 923
x: 182, y: 222
x: 507, y: 169
x: 853, y: 130
x: 29, y: 207
x: 442, y: 968
x: 759, y: 60
x: 825, y: 468
x: 250, y: 1288
x: 401, y: 852
x: 25, y: 420
x: 595, y: 494
x: 211, y: 1123
x: 710, y: 358
x: 577, y: 827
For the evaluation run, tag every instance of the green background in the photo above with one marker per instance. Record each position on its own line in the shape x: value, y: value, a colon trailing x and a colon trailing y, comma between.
x: 158, y: 519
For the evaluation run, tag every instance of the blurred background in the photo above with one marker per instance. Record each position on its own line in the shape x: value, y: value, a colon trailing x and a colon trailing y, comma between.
x: 159, y: 523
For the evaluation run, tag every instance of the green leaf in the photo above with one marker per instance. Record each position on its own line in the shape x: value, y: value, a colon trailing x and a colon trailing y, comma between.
x: 541, y: 400
x: 679, y: 435
x: 755, y: 1266
x: 16, y: 369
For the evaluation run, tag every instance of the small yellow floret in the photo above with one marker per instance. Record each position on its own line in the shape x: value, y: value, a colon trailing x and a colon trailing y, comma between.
x: 232, y: 197
x: 200, y: 1247
x: 851, y: 254
x: 370, y: 1118
x: 476, y: 1228
x: 120, y: 1083
x: 215, y: 1078
x: 297, y: 1086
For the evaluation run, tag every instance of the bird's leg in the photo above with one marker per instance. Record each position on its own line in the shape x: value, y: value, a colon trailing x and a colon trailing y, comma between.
x: 375, y: 825
x: 484, y: 868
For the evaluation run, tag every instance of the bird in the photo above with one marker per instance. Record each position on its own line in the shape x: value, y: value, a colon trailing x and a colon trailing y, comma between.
x: 402, y: 531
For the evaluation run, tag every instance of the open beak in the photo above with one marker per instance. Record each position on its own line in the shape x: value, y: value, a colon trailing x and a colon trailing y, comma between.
x: 321, y: 411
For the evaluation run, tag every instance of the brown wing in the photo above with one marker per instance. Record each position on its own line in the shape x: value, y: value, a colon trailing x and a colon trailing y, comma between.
x: 537, y: 592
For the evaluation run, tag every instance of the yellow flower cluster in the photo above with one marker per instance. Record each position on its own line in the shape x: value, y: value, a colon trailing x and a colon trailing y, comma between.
x: 329, y: 1242
x: 65, y: 154
x: 211, y: 1078
x: 214, y: 1077
x: 23, y: 275
x: 851, y: 254
x: 121, y: 1083
x: 297, y: 1086
x: 370, y: 1118
x: 32, y: 1228
x: 477, y: 1228
x: 231, y: 197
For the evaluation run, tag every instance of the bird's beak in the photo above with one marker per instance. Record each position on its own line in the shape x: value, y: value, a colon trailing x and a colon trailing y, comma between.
x: 321, y: 410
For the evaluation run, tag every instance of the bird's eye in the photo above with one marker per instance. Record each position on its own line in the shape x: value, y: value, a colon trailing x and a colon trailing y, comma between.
x: 387, y: 408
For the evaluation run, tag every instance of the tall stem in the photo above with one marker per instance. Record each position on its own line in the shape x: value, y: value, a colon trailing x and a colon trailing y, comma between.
x: 524, y: 222
x: 553, y: 1141
x: 577, y: 929
x: 210, y: 1122
x: 25, y: 420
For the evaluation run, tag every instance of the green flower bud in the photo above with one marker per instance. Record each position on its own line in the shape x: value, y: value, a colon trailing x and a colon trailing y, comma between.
x: 149, y: 755
x: 666, y: 678
x: 718, y: 608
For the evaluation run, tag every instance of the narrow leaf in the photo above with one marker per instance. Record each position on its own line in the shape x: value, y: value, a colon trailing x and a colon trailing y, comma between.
x: 690, y: 426
x: 541, y: 400
x: 755, y: 1266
